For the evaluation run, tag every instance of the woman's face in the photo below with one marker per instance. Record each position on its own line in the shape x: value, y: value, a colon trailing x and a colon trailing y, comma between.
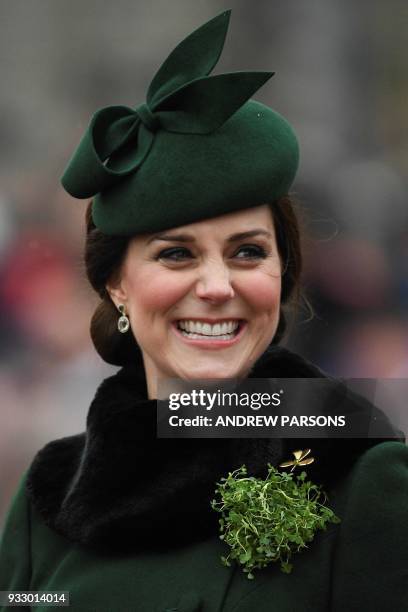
x: 203, y: 299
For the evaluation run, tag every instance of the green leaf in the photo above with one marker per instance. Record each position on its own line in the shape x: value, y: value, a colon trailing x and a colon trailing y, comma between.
x: 286, y: 567
x: 244, y: 557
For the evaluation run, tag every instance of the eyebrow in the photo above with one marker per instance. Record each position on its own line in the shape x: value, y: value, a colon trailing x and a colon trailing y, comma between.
x: 190, y: 238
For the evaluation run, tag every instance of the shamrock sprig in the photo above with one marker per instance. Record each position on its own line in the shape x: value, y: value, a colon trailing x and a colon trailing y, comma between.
x: 266, y: 521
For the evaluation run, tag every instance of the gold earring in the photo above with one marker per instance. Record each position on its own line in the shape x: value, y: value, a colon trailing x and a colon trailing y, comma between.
x: 123, y: 321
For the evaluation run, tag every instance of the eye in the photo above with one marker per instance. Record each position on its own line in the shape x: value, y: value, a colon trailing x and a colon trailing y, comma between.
x: 250, y: 251
x: 174, y: 254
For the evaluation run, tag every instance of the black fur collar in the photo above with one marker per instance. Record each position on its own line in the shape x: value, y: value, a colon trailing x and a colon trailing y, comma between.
x: 117, y: 487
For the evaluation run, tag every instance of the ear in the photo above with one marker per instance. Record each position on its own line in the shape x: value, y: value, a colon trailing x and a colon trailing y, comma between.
x: 117, y: 292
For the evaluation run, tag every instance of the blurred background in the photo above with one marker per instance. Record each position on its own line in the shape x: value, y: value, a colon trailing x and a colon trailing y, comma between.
x: 341, y: 80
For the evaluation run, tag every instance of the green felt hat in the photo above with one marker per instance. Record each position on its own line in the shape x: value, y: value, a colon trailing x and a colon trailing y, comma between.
x: 198, y: 148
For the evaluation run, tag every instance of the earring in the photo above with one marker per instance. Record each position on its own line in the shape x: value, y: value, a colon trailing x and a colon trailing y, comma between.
x: 123, y: 321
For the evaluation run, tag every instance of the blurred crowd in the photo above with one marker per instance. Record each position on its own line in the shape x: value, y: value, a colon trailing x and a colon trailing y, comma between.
x: 341, y: 80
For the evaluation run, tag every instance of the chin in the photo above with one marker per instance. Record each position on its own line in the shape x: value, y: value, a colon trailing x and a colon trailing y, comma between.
x: 212, y: 372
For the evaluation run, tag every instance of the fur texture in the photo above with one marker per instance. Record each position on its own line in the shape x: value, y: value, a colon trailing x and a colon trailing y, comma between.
x: 117, y: 487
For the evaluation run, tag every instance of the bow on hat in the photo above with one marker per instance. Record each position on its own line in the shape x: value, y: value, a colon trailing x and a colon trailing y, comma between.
x: 181, y: 98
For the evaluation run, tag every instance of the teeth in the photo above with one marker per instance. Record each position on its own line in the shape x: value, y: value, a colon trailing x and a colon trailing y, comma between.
x: 206, y: 329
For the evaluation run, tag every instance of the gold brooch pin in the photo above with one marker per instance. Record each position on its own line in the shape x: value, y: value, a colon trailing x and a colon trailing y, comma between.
x: 300, y: 459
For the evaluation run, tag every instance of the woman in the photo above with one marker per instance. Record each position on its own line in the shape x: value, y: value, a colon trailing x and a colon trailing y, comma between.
x: 193, y: 247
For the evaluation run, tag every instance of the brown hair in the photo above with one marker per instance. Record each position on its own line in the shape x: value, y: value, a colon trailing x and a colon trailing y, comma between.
x: 104, y: 256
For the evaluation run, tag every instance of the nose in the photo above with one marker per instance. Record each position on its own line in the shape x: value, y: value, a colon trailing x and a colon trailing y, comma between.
x: 214, y: 282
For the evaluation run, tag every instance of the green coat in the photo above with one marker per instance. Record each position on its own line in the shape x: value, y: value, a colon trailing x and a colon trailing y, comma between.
x: 359, y: 565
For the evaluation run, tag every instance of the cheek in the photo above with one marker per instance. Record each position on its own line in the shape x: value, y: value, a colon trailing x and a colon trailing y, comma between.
x: 262, y: 291
x: 156, y: 292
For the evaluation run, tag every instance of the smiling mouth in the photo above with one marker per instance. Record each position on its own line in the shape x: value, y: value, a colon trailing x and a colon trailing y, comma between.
x: 202, y: 330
